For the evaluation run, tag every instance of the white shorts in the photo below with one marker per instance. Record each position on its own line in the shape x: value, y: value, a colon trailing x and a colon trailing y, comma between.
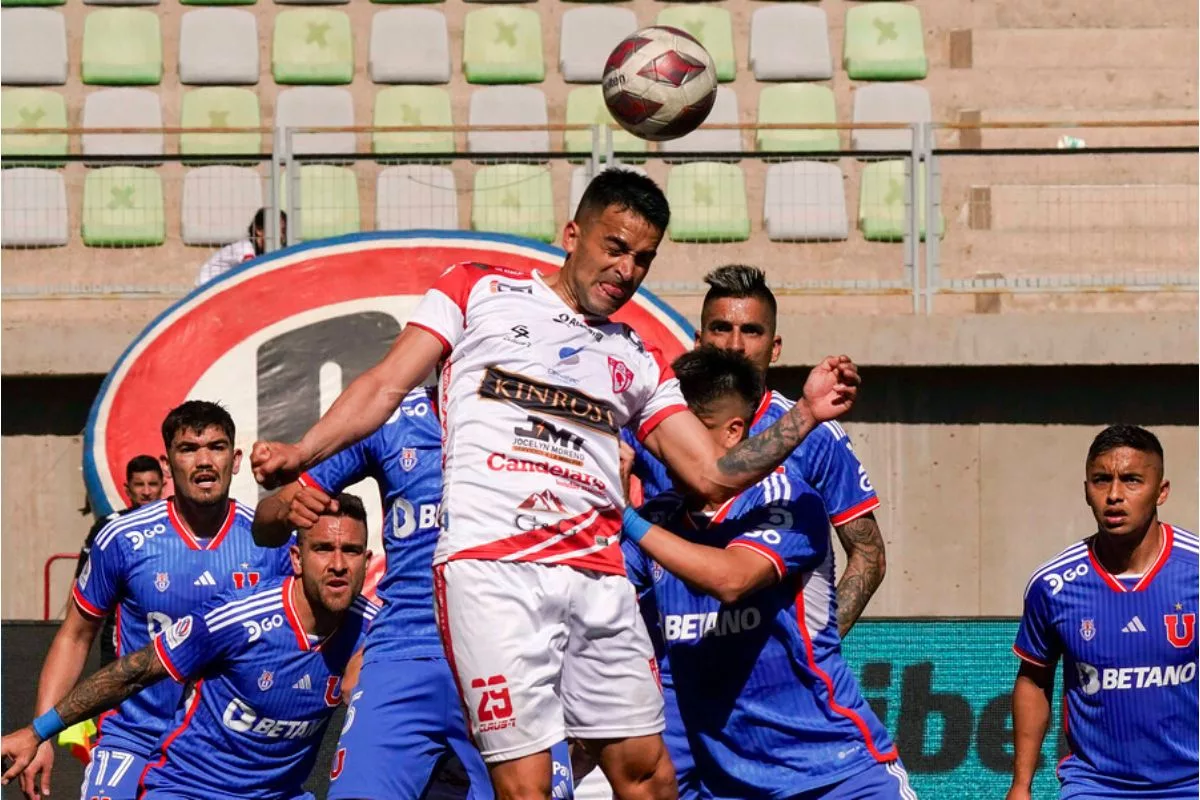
x: 545, y: 652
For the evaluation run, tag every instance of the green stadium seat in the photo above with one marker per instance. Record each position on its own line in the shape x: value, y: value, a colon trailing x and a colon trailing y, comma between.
x: 218, y: 2
x: 797, y: 104
x: 30, y: 109
x: 713, y: 27
x: 312, y: 45
x: 884, y: 41
x: 328, y: 202
x: 7, y: 3
x: 881, y: 202
x: 396, y: 2
x: 585, y: 106
x: 503, y: 44
x: 708, y: 203
x: 219, y: 107
x: 123, y: 207
x: 516, y: 199
x: 402, y: 106
x: 122, y: 47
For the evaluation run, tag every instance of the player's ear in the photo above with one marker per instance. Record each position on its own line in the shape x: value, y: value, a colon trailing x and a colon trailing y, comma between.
x: 776, y: 348
x: 735, y: 431
x: 237, y: 461
x: 1163, y: 491
x: 166, y: 467
x: 294, y: 555
x: 570, y: 236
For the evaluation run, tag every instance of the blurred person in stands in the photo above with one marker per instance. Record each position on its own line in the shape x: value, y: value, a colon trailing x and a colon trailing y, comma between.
x: 151, y: 567
x: 243, y: 250
x: 1118, y: 609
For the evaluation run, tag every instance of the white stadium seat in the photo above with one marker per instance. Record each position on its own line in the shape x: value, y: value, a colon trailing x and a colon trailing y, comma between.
x: 888, y: 102
x: 317, y: 106
x: 33, y: 47
x: 790, y: 43
x: 218, y: 46
x: 416, y: 196
x: 33, y: 208
x: 218, y: 204
x: 805, y: 201
x: 508, y: 105
x: 589, y: 34
x: 409, y: 45
x: 123, y: 108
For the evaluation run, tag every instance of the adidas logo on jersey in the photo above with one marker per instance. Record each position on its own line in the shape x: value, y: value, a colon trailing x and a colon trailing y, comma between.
x: 304, y: 684
x: 1134, y: 626
x: 206, y: 579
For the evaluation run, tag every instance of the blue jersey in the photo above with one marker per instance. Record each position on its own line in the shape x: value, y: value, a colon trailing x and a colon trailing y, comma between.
x: 148, y: 568
x: 262, y: 692
x: 824, y: 460
x: 405, y: 458
x: 1128, y: 651
x: 770, y: 707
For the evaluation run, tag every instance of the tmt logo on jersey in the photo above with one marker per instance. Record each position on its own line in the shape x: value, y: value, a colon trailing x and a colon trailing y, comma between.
x: 544, y: 438
x: 1179, y: 635
x: 1087, y: 629
x: 622, y: 375
x: 161, y: 581
x: 408, y: 458
x: 266, y: 680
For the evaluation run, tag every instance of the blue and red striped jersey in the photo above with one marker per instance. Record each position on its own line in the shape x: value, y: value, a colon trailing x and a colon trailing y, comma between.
x: 262, y: 691
x: 1128, y: 650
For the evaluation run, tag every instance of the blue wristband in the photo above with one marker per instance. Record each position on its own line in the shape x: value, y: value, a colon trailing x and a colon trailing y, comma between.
x: 49, y: 724
x: 634, y: 526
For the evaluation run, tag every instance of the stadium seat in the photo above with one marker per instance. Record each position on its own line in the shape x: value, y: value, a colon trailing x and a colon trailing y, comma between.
x: 881, y: 102
x: 881, y: 202
x: 416, y: 196
x: 33, y: 47
x: 123, y: 108
x: 508, y: 105
x: 589, y: 34
x: 120, y: 2
x: 7, y: 3
x: 220, y: 107
x: 31, y: 109
x: 317, y: 106
x: 580, y: 181
x: 797, y: 104
x: 398, y: 106
x: 312, y: 45
x: 328, y: 202
x: 884, y: 41
x: 708, y: 203
x: 805, y: 201
x: 407, y: 1
x: 123, y: 207
x: 218, y: 2
x: 503, y: 44
x: 790, y: 43
x: 218, y: 204
x: 516, y: 199
x: 122, y: 47
x: 409, y: 45
x: 218, y: 46
x: 585, y: 106
x: 313, y: 2
x: 725, y: 110
x: 713, y: 27
x: 33, y: 208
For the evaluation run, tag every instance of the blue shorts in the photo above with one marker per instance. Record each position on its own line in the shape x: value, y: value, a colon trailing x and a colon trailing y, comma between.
x: 680, y: 750
x: 404, y: 721
x: 878, y: 782
x: 112, y: 774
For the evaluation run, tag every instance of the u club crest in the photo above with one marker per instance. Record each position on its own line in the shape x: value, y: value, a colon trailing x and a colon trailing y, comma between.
x: 1087, y: 629
x: 408, y: 458
x: 1181, y: 629
x: 266, y: 680
x: 161, y: 581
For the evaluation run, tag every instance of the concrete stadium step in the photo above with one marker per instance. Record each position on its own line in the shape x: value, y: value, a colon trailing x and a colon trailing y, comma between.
x: 1055, y: 88
x: 1093, y: 137
x: 948, y: 14
x: 1085, y: 48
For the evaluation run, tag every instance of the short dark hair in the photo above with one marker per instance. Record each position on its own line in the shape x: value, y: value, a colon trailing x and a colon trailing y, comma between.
x: 708, y: 374
x: 349, y: 506
x: 142, y: 463
x: 738, y: 281
x: 196, y: 415
x: 260, y: 220
x: 1132, y: 436
x: 627, y: 190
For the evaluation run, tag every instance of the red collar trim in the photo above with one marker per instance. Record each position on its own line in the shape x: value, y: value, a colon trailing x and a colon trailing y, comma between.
x: 289, y: 611
x: 763, y: 405
x: 185, y: 532
x: 1164, y: 553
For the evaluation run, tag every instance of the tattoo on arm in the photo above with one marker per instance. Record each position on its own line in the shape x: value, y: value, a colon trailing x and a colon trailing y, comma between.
x: 758, y: 455
x: 866, y: 564
x: 111, y: 685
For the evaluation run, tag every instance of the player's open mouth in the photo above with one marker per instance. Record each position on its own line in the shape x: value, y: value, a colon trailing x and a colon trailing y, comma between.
x: 613, y: 291
x: 1114, y: 517
x: 337, y: 585
x: 205, y: 480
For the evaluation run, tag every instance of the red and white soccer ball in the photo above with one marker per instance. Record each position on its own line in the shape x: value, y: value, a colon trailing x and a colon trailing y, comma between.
x: 660, y: 83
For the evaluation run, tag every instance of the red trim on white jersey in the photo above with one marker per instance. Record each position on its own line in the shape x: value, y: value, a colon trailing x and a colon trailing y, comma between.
x: 185, y: 532
x: 443, y: 623
x: 187, y: 720
x: 855, y: 511
x: 86, y: 608
x: 587, y: 541
x: 163, y: 656
x: 446, y: 346
x: 823, y: 676
x: 649, y: 425
x: 1021, y: 654
x: 1164, y: 553
x: 765, y: 552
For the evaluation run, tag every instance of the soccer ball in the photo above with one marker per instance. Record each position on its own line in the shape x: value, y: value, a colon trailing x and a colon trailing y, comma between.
x: 659, y: 83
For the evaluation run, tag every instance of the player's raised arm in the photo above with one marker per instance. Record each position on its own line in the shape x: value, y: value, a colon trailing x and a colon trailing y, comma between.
x: 681, y: 442
x: 99, y: 692
x: 364, y: 406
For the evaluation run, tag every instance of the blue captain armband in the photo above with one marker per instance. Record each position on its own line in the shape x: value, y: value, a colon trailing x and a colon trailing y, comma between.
x: 633, y: 525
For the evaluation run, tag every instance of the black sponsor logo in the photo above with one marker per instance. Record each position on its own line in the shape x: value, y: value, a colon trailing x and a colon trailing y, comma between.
x: 573, y: 322
x: 540, y: 437
x: 519, y: 335
x: 555, y: 401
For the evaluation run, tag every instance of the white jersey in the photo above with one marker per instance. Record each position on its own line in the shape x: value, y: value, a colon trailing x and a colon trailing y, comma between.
x: 533, y: 397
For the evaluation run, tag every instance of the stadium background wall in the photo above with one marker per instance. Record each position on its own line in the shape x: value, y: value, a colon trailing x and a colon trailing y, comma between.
x: 941, y: 687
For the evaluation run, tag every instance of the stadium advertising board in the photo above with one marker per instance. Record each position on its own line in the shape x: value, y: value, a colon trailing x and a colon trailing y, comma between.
x: 942, y: 688
x: 277, y: 339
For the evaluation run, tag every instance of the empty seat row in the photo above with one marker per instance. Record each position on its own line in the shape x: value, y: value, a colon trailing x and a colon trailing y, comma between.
x: 500, y: 45
x: 24, y: 111
x: 124, y: 206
